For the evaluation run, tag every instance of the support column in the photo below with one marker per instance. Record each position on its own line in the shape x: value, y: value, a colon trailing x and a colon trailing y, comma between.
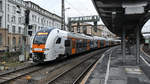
x: 149, y: 43
x: 123, y: 45
x: 63, y: 15
x: 138, y: 45
x: 78, y: 27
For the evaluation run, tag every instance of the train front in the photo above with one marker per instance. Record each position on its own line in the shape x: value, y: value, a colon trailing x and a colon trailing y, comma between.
x: 38, y: 46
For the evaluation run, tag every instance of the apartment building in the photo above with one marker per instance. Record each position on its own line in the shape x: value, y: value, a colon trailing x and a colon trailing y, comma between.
x: 86, y: 28
x: 12, y: 22
x: 105, y: 32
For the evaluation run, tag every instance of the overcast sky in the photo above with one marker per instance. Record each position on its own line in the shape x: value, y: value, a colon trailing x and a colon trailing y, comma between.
x: 77, y: 7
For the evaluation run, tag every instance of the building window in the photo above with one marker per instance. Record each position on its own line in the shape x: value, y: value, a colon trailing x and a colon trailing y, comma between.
x: 8, y: 7
x: 39, y: 28
x: 35, y: 18
x: 22, y: 31
x: 0, y: 5
x: 42, y: 21
x: 14, y: 9
x: 8, y: 27
x: 38, y: 20
x: 0, y: 21
x: 19, y: 30
x: 47, y: 23
x: 13, y: 29
x: 13, y: 19
x: 32, y: 17
x: 19, y: 20
x: 8, y: 18
x: 35, y: 29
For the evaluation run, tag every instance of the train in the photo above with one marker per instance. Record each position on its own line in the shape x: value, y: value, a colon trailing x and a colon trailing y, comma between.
x: 51, y: 43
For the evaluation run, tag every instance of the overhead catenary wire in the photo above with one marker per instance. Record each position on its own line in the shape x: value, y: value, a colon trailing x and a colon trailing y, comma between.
x: 77, y: 10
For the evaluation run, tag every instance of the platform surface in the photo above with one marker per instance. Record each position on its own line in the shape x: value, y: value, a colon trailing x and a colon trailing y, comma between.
x: 112, y: 70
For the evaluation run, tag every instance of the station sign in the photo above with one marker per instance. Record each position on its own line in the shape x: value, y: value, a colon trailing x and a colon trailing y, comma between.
x: 134, y: 8
x: 94, y: 18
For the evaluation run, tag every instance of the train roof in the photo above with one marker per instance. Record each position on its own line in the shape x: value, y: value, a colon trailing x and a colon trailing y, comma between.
x: 99, y: 38
x: 46, y: 29
x: 76, y: 35
x: 118, y: 40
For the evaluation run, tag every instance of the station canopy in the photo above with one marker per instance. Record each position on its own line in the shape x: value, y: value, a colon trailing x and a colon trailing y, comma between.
x: 123, y: 14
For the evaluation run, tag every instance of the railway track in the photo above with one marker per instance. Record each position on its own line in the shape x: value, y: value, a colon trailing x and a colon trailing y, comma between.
x: 5, y: 77
x: 74, y: 74
x: 77, y: 67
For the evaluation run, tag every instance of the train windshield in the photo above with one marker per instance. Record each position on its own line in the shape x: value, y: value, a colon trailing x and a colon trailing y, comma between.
x: 40, y: 38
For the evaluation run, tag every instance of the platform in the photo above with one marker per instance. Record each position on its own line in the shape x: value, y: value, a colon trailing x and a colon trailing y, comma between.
x: 115, y: 69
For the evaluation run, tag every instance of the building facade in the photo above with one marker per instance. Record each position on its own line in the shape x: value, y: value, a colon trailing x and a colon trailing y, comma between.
x: 105, y: 32
x: 88, y: 29
x: 12, y: 22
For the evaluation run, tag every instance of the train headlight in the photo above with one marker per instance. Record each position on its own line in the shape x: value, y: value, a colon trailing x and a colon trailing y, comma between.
x: 45, y: 49
x: 37, y: 49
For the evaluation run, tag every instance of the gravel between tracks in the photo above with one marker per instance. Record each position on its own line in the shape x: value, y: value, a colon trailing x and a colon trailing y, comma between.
x: 45, y: 75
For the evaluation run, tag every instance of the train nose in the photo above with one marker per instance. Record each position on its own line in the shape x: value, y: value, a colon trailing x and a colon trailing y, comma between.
x: 38, y: 57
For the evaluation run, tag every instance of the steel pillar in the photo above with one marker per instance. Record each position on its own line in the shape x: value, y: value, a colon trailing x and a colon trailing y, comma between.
x: 149, y: 43
x: 138, y: 45
x: 123, y: 45
x: 63, y: 15
x: 78, y: 27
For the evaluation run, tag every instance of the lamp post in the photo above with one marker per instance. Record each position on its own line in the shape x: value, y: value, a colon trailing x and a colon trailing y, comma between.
x: 63, y: 15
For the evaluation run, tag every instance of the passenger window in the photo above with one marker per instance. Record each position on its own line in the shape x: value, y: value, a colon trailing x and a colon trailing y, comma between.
x: 58, y: 41
x: 67, y: 43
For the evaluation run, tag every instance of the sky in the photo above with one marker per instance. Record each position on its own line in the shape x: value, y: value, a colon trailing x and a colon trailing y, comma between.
x: 146, y: 28
x: 74, y: 8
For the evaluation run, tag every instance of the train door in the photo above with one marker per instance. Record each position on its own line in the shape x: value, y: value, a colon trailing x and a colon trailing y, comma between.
x: 109, y: 43
x: 59, y: 48
x: 98, y: 43
x: 88, y: 44
x: 104, y: 43
x: 73, y: 46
